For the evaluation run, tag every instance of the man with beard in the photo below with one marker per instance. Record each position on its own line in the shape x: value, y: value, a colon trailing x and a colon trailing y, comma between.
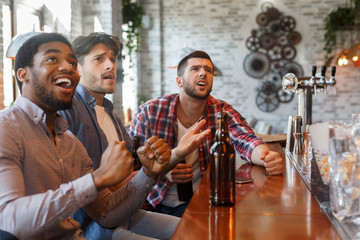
x: 45, y: 172
x: 171, y: 116
x: 93, y: 121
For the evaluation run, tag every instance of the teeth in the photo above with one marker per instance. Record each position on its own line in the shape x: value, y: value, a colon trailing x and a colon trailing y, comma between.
x: 201, y: 84
x: 63, y: 80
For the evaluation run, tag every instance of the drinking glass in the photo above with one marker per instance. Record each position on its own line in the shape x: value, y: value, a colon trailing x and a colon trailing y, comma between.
x: 355, y: 118
x: 342, y: 162
x: 356, y: 129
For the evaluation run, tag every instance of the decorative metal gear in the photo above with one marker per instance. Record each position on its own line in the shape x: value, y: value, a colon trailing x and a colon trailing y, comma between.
x: 284, y: 97
x: 266, y: 5
x: 277, y: 66
x: 287, y: 23
x: 294, y: 38
x: 275, y: 28
x: 267, y: 41
x: 252, y: 43
x: 275, y: 53
x: 272, y: 14
x: 282, y: 40
x: 272, y: 46
x: 262, y: 19
x: 293, y: 67
x: 268, y: 88
x: 274, y: 76
x: 288, y: 52
x: 256, y: 64
x: 266, y: 102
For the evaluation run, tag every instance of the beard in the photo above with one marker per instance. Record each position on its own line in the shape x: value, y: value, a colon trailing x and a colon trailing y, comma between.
x: 47, y: 97
x: 190, y: 90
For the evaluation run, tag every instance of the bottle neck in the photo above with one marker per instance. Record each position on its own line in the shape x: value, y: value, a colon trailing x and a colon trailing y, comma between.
x: 222, y: 132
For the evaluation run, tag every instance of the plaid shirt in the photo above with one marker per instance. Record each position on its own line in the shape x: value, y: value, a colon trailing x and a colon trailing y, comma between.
x: 158, y: 118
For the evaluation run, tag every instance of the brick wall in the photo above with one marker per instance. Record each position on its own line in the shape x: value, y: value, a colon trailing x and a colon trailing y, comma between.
x: 221, y: 29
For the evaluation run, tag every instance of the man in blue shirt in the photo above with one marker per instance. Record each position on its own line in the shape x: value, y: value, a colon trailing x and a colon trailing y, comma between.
x: 93, y: 121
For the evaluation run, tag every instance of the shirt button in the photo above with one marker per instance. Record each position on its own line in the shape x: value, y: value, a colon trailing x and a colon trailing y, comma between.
x: 58, y: 139
x: 61, y: 160
x: 36, y: 118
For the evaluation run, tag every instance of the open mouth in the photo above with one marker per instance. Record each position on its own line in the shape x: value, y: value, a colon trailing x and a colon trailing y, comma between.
x: 63, y: 82
x: 202, y: 84
x: 109, y: 76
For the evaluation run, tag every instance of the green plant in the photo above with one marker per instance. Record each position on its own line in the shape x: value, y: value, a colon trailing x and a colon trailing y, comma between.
x: 341, y: 18
x: 132, y: 18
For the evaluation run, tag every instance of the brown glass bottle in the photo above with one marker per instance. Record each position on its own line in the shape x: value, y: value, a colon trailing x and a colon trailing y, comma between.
x: 185, y: 190
x: 222, y: 166
x: 136, y: 145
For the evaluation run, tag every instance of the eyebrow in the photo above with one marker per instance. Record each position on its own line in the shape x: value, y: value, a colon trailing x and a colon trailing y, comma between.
x: 199, y: 66
x: 103, y: 53
x: 53, y: 50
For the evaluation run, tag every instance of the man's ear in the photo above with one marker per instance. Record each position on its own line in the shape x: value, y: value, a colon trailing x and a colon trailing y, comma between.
x: 22, y: 75
x: 178, y: 81
x: 80, y: 70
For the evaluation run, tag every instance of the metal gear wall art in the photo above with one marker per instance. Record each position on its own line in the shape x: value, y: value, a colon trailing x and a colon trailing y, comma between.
x: 272, y: 55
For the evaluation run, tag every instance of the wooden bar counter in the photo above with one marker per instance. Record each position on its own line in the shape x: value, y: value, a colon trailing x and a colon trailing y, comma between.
x: 273, y: 207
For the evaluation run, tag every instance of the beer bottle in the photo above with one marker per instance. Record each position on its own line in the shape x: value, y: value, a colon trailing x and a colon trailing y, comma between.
x: 136, y: 145
x: 185, y: 190
x: 222, y: 166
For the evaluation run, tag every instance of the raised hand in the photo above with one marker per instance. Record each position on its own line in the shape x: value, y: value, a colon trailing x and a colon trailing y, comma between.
x: 154, y: 156
x: 116, y: 164
x: 191, y: 140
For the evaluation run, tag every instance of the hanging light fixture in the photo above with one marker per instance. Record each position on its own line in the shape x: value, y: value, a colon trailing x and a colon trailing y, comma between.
x: 342, y: 59
x: 16, y: 42
x: 354, y: 55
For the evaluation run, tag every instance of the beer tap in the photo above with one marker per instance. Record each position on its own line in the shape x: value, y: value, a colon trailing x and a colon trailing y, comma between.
x: 312, y: 81
x: 322, y: 80
x: 332, y: 81
x: 305, y: 87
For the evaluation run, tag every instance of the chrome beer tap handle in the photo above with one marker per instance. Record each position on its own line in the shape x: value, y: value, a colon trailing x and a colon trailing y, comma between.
x: 332, y: 81
x: 290, y: 83
x: 312, y: 80
x: 322, y: 79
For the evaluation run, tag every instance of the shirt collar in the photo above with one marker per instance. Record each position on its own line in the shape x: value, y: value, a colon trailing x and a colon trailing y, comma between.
x: 172, y: 108
x: 90, y: 100
x: 37, y: 115
x: 86, y: 95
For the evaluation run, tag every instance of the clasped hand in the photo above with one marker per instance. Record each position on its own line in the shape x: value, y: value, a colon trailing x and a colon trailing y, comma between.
x: 154, y: 156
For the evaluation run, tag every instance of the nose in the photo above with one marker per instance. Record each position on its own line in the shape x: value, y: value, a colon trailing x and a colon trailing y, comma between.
x: 108, y: 64
x: 202, y: 72
x: 66, y: 66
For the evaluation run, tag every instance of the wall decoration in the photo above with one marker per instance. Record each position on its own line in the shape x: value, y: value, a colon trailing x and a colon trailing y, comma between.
x: 272, y: 55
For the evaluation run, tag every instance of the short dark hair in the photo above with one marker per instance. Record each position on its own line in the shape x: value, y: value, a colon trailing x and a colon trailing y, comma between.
x: 83, y: 45
x: 196, y: 54
x: 25, y: 55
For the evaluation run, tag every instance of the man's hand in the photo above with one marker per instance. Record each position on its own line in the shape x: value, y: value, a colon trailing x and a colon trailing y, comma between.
x: 154, y: 156
x: 116, y: 164
x: 182, y: 173
x: 273, y: 162
x: 191, y: 140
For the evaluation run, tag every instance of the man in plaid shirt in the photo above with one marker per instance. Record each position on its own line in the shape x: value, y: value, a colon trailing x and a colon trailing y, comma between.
x: 171, y: 116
